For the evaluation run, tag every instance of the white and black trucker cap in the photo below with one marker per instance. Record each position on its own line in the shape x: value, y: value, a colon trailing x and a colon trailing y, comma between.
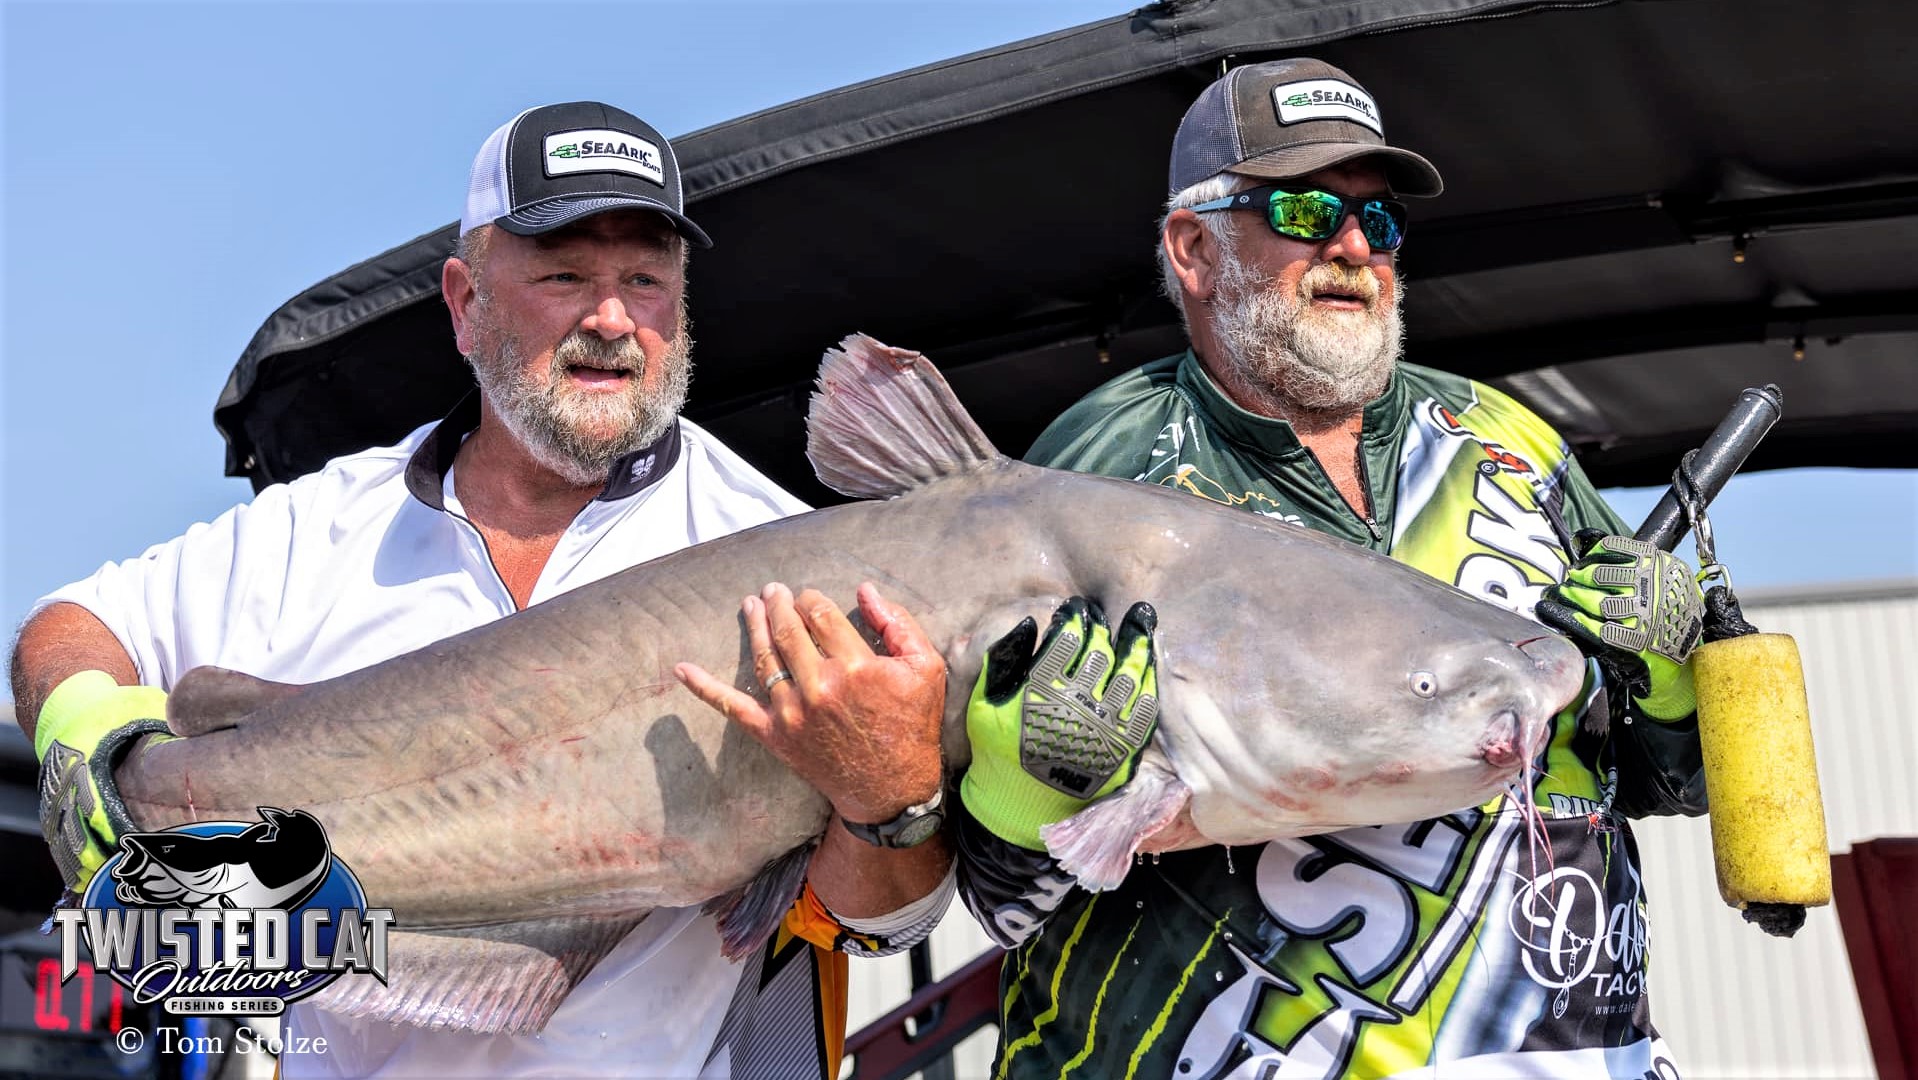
x: 555, y: 164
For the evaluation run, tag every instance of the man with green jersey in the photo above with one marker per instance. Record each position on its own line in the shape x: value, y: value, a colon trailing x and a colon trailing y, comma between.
x: 1485, y: 943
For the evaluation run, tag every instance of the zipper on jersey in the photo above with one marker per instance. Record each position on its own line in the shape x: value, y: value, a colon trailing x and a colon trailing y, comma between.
x: 1364, y: 517
x: 1365, y: 482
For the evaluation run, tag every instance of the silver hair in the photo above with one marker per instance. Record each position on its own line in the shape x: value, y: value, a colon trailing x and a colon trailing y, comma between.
x: 471, y: 247
x: 1217, y: 226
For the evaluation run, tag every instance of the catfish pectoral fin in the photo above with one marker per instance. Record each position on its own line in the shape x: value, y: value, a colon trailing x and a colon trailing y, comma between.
x: 504, y: 979
x: 749, y: 914
x: 1096, y: 845
x: 209, y: 699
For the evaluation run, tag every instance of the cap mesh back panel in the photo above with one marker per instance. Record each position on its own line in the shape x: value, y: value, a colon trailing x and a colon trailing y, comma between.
x: 486, y: 190
x: 1207, y: 140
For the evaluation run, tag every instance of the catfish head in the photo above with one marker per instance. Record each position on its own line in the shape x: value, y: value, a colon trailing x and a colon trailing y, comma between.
x: 1401, y: 701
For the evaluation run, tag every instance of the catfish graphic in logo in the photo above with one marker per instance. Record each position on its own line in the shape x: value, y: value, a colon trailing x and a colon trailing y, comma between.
x: 275, y: 864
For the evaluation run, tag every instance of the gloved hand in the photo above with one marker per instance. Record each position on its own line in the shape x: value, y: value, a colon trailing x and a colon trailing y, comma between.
x: 87, y: 724
x: 1638, y: 611
x: 1054, y: 731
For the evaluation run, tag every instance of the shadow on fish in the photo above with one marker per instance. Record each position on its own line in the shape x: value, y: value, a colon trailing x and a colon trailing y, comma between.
x: 277, y: 863
x: 522, y: 794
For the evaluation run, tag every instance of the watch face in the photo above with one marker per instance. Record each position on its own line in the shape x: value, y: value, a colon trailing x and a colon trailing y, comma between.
x: 918, y: 831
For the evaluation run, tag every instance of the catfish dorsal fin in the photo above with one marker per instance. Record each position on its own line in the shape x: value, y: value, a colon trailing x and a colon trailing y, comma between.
x: 883, y: 421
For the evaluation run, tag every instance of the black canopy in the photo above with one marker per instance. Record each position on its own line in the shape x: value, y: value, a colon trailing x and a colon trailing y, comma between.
x: 1650, y: 204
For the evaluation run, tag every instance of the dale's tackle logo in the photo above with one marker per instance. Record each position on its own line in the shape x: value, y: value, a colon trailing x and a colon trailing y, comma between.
x: 227, y: 917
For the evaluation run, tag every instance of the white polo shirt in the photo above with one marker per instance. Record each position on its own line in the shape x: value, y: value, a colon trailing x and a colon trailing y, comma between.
x: 372, y: 557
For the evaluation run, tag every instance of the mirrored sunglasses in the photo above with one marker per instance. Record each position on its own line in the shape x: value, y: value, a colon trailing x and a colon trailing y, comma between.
x: 1310, y: 214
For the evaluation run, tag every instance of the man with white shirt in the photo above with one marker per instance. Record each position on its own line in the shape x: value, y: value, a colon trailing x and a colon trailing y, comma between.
x: 567, y: 296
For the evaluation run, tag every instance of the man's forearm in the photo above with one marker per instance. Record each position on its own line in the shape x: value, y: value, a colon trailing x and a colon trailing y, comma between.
x: 856, y: 880
x: 58, y: 641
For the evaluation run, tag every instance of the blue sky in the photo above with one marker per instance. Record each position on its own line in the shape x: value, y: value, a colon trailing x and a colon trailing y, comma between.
x: 173, y: 172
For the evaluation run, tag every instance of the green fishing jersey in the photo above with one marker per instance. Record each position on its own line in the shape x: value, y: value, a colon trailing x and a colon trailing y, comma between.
x: 1474, y: 944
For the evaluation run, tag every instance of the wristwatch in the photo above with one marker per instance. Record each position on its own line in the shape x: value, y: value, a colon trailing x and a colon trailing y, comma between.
x: 914, y: 826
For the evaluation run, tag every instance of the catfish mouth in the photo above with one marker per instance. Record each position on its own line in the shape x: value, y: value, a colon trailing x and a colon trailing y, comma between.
x: 1516, y: 732
x: 1510, y: 741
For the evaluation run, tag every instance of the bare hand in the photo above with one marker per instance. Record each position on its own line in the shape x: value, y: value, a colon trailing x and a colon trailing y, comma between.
x: 861, y: 727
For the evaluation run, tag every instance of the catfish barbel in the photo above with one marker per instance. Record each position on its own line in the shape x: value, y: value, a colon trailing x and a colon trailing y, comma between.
x: 522, y: 794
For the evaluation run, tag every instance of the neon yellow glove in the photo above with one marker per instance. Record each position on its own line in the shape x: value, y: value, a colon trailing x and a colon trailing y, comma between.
x: 1053, y: 731
x: 1638, y: 611
x: 87, y: 724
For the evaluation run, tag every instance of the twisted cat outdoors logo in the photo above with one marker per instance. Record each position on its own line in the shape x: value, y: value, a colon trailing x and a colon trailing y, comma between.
x: 226, y: 918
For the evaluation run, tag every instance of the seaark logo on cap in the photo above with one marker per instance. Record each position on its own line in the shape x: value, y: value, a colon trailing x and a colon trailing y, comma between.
x: 602, y: 150
x: 1325, y: 99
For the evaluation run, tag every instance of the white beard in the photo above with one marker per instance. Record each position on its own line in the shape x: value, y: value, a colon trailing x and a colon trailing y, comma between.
x: 1320, y: 360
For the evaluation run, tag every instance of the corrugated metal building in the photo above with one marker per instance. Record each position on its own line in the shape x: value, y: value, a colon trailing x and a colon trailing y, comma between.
x: 1732, y: 1001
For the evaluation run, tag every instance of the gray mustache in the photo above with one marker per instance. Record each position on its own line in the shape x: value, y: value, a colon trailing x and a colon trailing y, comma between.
x: 581, y: 349
x: 1359, y: 281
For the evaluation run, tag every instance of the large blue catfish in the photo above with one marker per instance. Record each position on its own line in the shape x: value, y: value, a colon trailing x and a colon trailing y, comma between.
x: 522, y: 794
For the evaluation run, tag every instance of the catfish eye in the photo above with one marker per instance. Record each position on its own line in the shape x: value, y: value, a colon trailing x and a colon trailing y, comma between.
x: 1424, y: 684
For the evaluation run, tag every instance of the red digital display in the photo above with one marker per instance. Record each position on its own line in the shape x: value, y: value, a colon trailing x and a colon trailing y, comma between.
x: 53, y: 1010
x: 33, y: 998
